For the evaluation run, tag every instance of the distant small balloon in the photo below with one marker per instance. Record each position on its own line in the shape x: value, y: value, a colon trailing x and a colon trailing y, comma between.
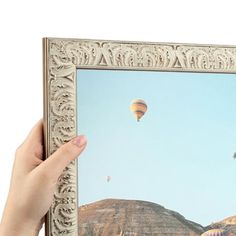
x: 234, y: 156
x: 139, y: 108
x: 108, y: 178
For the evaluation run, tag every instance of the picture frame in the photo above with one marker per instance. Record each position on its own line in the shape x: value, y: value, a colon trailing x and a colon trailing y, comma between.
x: 61, y: 59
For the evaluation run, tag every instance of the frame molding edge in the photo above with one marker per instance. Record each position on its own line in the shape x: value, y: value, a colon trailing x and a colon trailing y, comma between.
x: 61, y: 58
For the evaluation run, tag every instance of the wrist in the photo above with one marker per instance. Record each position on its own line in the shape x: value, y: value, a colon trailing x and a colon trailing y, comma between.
x: 10, y: 231
x: 17, y: 231
x: 13, y: 224
x: 16, y: 228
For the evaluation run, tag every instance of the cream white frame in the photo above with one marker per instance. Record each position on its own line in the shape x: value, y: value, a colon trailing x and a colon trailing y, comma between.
x: 61, y: 58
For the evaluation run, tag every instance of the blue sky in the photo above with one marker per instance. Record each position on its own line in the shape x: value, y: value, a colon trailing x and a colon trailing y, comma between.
x: 179, y: 155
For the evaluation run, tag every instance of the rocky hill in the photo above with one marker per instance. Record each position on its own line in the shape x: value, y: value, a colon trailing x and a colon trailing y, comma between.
x: 115, y: 217
x: 228, y: 221
x: 228, y: 226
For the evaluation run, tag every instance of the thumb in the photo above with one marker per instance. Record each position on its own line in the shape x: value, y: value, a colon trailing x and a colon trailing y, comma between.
x: 57, y: 162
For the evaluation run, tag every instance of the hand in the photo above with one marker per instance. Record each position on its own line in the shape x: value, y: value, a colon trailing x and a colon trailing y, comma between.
x: 33, y: 183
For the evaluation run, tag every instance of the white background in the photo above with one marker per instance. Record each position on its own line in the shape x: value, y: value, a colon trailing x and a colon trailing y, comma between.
x: 23, y: 24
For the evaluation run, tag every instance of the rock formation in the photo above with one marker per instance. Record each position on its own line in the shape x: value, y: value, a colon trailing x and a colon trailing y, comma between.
x: 227, y: 226
x: 113, y: 217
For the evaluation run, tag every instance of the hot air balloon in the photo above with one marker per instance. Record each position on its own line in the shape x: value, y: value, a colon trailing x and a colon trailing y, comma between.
x: 108, y: 178
x: 215, y: 232
x: 138, y: 107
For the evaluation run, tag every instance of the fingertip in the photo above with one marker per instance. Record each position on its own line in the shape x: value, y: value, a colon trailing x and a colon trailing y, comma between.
x: 36, y: 133
x: 67, y: 153
x: 79, y: 141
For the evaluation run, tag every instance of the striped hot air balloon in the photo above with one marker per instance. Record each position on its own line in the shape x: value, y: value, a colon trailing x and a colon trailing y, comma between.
x: 138, y: 107
x: 215, y: 232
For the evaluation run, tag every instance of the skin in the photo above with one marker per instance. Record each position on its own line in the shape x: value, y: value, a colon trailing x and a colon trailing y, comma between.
x: 33, y: 182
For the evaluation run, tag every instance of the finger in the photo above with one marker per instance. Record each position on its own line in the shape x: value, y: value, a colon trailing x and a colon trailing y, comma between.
x: 57, y: 162
x: 35, y: 136
x: 30, y: 153
x: 36, y: 133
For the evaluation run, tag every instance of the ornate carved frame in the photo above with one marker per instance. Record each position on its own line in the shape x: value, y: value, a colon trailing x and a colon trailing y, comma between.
x: 61, y: 59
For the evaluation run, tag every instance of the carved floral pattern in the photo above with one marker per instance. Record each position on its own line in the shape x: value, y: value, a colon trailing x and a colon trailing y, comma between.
x: 142, y: 55
x: 63, y: 56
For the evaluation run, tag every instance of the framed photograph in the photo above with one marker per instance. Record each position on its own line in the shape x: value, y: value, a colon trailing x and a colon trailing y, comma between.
x: 160, y: 121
